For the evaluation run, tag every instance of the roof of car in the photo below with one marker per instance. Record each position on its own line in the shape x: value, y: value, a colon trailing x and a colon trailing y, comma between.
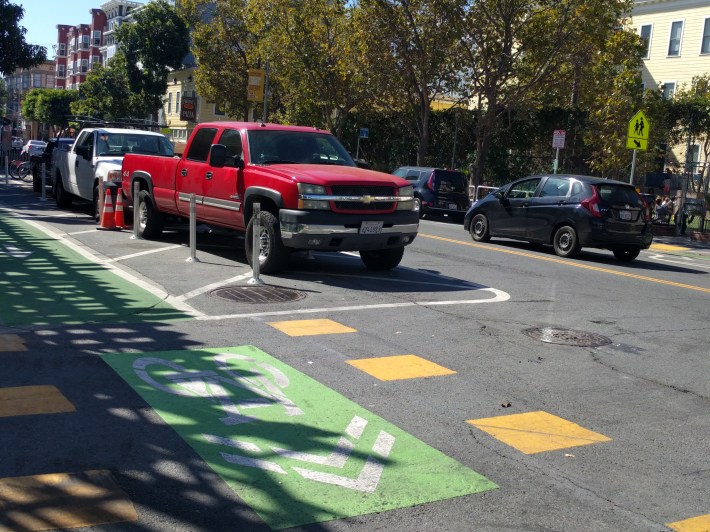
x: 128, y: 130
x: 265, y: 125
x: 585, y: 178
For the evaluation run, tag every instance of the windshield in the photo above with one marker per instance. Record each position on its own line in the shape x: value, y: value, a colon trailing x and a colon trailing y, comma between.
x: 122, y: 143
x: 299, y: 147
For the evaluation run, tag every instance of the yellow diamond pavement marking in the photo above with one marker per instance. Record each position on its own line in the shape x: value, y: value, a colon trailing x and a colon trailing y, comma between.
x: 400, y: 367
x: 700, y: 523
x: 29, y: 400
x: 63, y: 500
x: 12, y: 342
x: 537, y: 432
x: 667, y: 247
x: 311, y: 327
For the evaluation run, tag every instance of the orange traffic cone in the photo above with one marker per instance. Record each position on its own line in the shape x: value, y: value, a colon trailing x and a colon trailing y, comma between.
x: 119, y: 221
x: 107, y: 221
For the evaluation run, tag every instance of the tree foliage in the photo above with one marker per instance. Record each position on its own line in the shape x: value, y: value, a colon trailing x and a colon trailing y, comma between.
x: 50, y: 106
x: 14, y: 50
x: 106, y: 94
x: 156, y: 42
x: 224, y: 50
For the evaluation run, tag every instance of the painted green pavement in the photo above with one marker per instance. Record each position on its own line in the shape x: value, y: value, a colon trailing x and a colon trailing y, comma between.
x: 43, y: 282
x: 294, y: 450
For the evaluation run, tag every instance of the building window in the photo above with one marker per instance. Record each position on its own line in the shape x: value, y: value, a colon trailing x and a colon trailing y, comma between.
x: 177, y: 101
x: 97, y: 38
x: 170, y: 103
x: 668, y: 89
x: 60, y: 71
x: 675, y: 38
x: 705, y: 46
x: 62, y: 48
x: 646, y: 38
x: 218, y: 110
x: 85, y: 42
x: 36, y: 80
x: 49, y: 81
x: 84, y: 65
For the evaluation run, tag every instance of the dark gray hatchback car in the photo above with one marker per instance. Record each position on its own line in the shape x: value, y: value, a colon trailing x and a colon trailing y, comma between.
x: 437, y: 191
x: 567, y: 211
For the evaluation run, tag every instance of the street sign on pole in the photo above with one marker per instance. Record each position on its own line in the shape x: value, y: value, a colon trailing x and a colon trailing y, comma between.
x: 558, y: 138
x: 637, y: 135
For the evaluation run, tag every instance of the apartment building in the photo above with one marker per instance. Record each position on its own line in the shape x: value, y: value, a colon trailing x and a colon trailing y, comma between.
x: 18, y: 84
x: 677, y: 36
x: 78, y: 49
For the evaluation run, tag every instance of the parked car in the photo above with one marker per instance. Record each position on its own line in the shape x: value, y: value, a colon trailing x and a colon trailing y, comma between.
x: 567, y: 211
x: 33, y: 147
x: 17, y: 143
x: 46, y: 158
x: 437, y: 191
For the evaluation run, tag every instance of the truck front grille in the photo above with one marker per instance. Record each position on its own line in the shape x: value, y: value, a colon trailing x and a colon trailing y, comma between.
x: 362, y: 191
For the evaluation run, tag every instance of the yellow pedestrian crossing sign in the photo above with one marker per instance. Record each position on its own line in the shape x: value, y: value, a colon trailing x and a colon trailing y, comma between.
x: 637, y: 136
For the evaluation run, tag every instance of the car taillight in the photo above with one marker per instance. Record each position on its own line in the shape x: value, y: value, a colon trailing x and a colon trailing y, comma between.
x: 592, y: 204
x: 430, y: 183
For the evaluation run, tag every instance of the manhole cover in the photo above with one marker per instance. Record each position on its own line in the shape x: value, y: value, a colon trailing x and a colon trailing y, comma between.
x: 258, y: 294
x: 552, y: 335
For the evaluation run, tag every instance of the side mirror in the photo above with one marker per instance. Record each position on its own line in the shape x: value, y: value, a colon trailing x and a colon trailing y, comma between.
x: 218, y: 155
x: 498, y: 194
x: 83, y: 151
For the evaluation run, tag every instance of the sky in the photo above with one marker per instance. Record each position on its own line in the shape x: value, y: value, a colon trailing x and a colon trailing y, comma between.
x: 42, y: 16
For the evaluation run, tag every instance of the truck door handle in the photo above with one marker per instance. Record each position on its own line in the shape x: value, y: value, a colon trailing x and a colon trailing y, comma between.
x: 183, y: 172
x: 208, y: 175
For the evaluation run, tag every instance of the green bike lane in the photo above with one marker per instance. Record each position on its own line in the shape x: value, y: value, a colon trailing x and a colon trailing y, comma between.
x: 294, y: 450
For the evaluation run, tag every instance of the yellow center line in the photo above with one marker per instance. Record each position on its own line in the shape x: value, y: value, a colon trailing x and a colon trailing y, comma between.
x: 567, y: 262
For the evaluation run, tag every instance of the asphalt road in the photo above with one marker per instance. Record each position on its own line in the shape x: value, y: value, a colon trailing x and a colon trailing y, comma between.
x: 416, y: 399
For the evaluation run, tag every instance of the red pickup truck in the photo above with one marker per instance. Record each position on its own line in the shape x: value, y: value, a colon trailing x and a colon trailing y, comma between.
x: 312, y: 195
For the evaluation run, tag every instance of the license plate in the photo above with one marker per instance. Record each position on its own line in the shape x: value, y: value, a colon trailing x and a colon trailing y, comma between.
x: 625, y: 215
x: 371, y: 228
x: 452, y: 206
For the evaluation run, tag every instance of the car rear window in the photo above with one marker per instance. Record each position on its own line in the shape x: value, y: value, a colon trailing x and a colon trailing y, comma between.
x: 616, y: 194
x: 450, y: 181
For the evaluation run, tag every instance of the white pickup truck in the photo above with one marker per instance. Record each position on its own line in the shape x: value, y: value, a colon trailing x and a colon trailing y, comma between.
x: 96, y: 155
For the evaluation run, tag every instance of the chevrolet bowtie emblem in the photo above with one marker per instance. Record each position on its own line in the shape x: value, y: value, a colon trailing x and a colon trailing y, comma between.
x: 367, y: 199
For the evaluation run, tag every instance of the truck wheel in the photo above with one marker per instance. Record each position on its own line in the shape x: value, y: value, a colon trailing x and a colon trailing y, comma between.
x: 61, y: 196
x: 382, y: 259
x: 95, y: 203
x: 150, y: 221
x: 273, y: 256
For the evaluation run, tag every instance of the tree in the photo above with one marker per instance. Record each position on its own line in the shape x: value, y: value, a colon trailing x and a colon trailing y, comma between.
x: 222, y: 45
x: 411, y: 48
x: 316, y: 64
x: 156, y: 42
x: 14, y: 51
x: 514, y: 49
x: 106, y: 94
x: 50, y: 106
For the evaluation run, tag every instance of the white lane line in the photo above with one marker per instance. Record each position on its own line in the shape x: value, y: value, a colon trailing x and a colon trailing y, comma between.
x: 498, y: 297
x: 87, y: 231
x: 148, y: 287
x: 146, y: 252
x: 686, y: 261
x: 199, y: 291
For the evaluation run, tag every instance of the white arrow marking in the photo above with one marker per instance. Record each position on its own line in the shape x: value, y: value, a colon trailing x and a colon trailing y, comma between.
x: 243, y: 460
x: 337, y: 458
x: 370, y: 474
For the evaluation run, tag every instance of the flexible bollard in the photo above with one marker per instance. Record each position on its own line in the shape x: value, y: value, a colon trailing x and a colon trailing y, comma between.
x: 193, y: 231
x: 136, y: 212
x: 43, y: 180
x: 255, y: 246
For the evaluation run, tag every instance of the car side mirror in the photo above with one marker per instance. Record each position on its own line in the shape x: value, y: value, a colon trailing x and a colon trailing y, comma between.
x: 82, y: 151
x: 218, y: 155
x: 498, y: 195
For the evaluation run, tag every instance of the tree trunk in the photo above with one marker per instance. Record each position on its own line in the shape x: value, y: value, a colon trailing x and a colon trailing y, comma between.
x: 424, y: 136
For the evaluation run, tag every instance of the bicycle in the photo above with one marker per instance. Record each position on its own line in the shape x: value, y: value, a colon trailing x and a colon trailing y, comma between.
x: 20, y: 169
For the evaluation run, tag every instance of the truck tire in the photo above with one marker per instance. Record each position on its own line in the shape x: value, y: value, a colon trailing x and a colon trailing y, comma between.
x: 382, y: 259
x: 61, y: 196
x: 273, y: 256
x: 96, y: 205
x: 150, y: 221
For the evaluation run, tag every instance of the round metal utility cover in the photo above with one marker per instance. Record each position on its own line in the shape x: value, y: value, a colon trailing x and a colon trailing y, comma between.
x: 552, y: 335
x: 258, y: 294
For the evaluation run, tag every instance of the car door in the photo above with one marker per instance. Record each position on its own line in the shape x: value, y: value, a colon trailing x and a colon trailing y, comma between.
x: 79, y: 166
x: 192, y: 171
x: 547, y: 207
x: 510, y: 216
x: 222, y: 197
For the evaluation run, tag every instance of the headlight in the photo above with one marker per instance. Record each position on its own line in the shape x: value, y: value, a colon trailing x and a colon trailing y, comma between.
x: 307, y: 197
x: 408, y: 204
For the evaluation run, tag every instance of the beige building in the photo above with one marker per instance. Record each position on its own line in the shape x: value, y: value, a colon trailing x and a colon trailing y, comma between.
x: 677, y: 34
